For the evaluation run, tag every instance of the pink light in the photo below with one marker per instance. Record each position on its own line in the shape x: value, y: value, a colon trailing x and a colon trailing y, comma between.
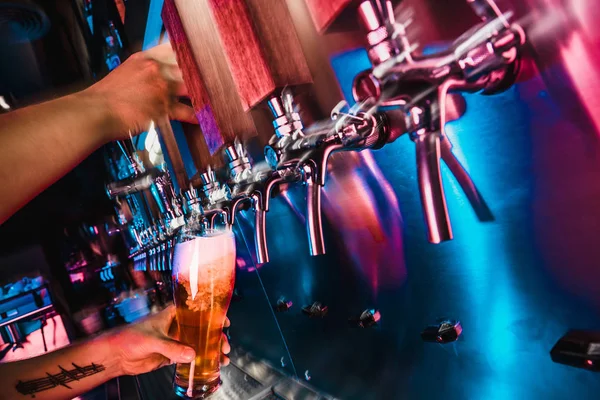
x: 77, y: 277
x: 580, y: 58
x: 589, y: 362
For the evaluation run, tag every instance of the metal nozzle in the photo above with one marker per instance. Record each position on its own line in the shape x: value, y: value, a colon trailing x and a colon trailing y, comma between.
x: 314, y: 223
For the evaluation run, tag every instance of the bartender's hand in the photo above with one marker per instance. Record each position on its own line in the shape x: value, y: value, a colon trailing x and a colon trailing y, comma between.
x: 147, y: 345
x: 145, y: 88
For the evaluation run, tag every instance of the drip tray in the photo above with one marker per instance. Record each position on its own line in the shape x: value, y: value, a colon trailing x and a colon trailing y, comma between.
x: 246, y: 378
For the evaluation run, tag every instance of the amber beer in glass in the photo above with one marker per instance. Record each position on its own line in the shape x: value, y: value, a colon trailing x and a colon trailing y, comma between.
x: 203, y: 278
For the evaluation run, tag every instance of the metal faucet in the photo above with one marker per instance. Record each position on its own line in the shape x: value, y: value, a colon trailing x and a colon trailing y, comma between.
x: 483, y: 59
x: 152, y: 233
x: 214, y: 194
x: 247, y: 192
x: 304, y: 154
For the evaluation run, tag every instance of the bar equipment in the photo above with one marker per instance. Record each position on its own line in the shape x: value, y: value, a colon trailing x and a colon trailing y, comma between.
x: 305, y: 155
x: 403, y: 92
x: 485, y: 59
x: 203, y: 278
x: 578, y: 348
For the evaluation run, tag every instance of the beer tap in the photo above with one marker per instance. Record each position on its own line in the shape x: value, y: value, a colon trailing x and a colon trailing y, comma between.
x: 194, y: 212
x: 246, y: 193
x: 291, y: 165
x: 168, y: 202
x: 485, y: 59
x: 299, y: 154
x: 150, y: 231
x: 214, y: 194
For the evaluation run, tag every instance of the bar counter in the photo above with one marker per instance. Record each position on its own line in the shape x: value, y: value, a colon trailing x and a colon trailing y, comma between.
x: 246, y: 378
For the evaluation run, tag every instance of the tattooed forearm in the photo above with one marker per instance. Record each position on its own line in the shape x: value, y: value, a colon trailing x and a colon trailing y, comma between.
x: 61, y: 379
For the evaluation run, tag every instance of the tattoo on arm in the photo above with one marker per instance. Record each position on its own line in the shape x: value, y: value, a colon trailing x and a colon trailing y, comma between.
x: 60, y: 379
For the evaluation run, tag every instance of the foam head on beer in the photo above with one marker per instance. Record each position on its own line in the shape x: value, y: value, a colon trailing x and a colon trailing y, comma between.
x: 205, y: 258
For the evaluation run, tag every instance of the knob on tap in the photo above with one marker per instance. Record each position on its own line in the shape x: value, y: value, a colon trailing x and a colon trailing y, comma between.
x: 485, y: 59
x: 238, y: 161
x: 377, y: 18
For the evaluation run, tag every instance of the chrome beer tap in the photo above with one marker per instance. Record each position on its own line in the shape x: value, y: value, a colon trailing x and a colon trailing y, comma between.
x: 194, y: 212
x: 300, y: 154
x: 170, y: 206
x: 215, y: 193
x: 485, y: 59
x: 291, y: 165
x: 246, y: 193
x: 149, y: 231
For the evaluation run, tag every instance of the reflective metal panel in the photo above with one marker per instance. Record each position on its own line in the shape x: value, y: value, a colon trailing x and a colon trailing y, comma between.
x: 516, y: 284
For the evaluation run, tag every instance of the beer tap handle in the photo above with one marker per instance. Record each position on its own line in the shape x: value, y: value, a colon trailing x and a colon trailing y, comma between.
x: 477, y: 201
x: 433, y: 199
x: 314, y: 223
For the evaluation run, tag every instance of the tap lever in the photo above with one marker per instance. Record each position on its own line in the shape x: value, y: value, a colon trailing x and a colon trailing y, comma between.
x: 482, y: 210
x: 479, y: 205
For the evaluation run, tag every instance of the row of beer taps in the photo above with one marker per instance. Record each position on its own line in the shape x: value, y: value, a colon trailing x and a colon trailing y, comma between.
x: 404, y: 92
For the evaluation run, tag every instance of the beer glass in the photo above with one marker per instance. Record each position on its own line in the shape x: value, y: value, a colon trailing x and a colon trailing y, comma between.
x: 203, y: 278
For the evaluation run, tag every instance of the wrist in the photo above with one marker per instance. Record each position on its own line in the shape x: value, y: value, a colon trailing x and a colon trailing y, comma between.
x: 99, y: 106
x: 111, y: 357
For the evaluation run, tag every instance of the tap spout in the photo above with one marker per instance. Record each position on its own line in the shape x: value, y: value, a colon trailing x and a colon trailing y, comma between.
x: 260, y: 229
x: 314, y: 222
x: 433, y: 199
x: 211, y: 216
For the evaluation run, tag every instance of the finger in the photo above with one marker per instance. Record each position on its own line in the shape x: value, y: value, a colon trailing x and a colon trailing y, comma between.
x: 178, y: 89
x: 183, y: 113
x: 224, y: 360
x: 227, y: 323
x: 173, y: 331
x: 225, y: 346
x: 174, y: 351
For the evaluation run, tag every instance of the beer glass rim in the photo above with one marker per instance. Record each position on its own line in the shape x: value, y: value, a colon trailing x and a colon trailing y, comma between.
x: 208, y: 234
